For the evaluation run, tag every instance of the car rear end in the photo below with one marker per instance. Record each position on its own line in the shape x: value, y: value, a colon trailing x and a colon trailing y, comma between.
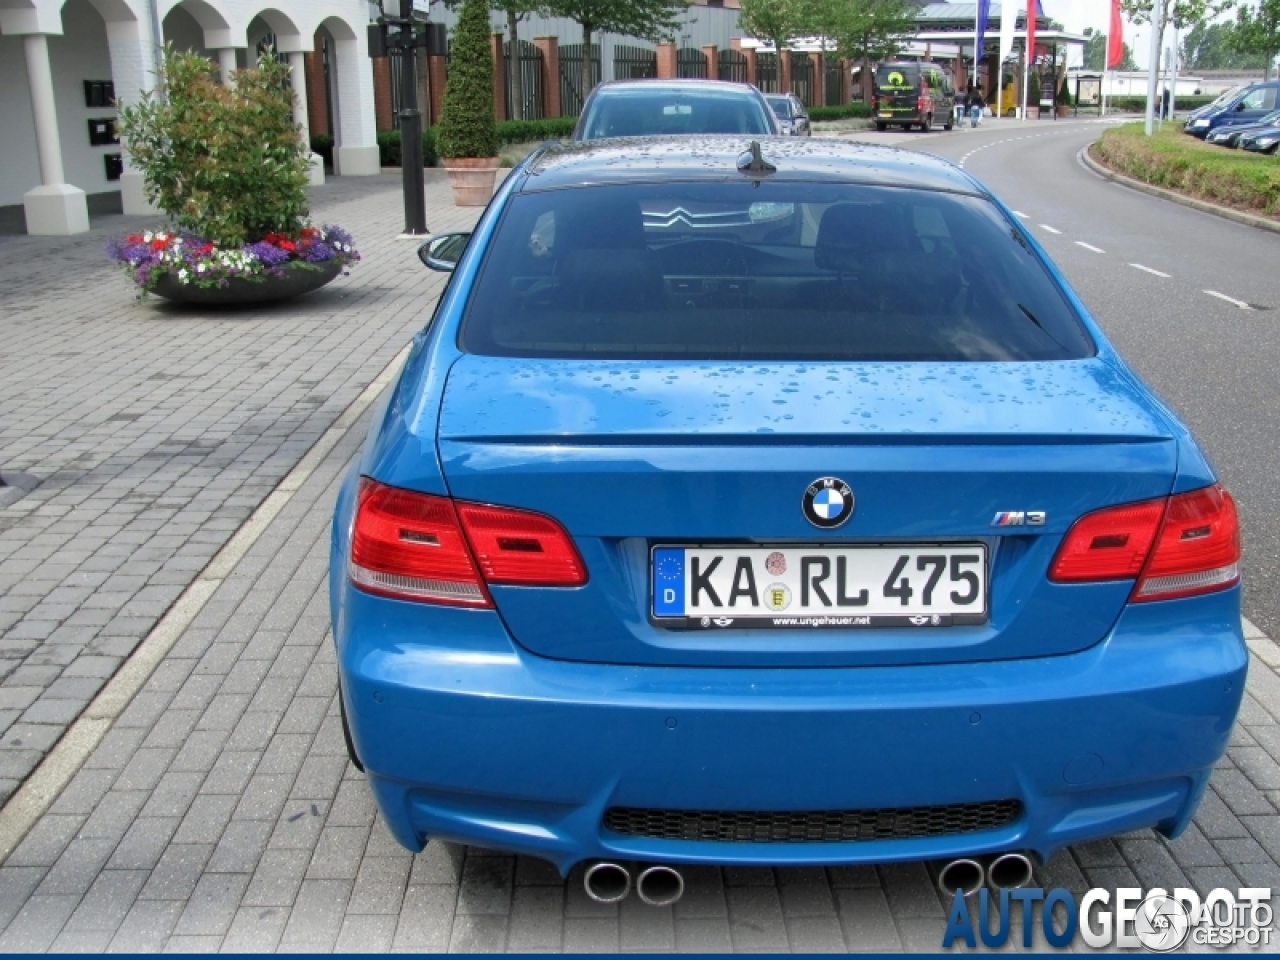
x: 689, y: 535
x: 898, y: 97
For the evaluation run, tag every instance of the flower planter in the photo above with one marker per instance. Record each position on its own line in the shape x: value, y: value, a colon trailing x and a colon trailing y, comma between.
x: 472, y: 179
x: 1064, y: 110
x: 1033, y: 113
x: 296, y: 279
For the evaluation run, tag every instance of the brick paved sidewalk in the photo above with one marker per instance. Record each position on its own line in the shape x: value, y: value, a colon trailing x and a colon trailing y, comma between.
x: 221, y: 813
x: 155, y: 432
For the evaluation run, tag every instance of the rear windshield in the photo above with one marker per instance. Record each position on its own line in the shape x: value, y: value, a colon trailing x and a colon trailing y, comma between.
x: 781, y: 106
x: 782, y: 271
x: 643, y: 113
x: 897, y: 76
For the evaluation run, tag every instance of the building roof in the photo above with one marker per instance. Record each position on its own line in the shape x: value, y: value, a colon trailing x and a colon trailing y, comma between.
x: 647, y: 159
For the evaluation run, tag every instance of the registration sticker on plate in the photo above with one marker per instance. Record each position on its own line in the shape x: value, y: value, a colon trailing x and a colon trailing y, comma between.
x: 907, y: 585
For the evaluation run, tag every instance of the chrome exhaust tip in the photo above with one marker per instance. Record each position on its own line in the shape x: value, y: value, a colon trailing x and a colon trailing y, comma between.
x: 607, y: 882
x: 1010, y: 871
x: 964, y: 875
x: 660, y: 886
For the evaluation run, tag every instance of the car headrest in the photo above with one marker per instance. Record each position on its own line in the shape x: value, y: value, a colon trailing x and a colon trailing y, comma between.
x: 596, y: 220
x: 849, y: 233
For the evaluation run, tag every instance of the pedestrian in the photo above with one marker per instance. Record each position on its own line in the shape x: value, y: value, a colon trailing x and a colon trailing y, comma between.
x: 1164, y: 104
x: 974, y: 104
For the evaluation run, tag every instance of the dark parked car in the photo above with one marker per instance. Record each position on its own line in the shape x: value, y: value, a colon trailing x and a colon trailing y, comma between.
x: 1229, y: 134
x: 1246, y: 105
x: 646, y: 108
x: 911, y: 94
x: 791, y: 114
x: 1261, y: 141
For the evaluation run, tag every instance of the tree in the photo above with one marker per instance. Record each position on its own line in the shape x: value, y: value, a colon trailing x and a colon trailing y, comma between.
x: 1095, y: 52
x: 515, y: 11
x: 1181, y: 13
x: 779, y: 21
x: 1209, y: 46
x: 652, y: 20
x: 864, y: 31
x: 466, y: 126
x: 1257, y: 31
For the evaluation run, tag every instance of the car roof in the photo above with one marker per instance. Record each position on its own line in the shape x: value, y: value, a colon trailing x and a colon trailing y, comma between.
x: 674, y: 85
x: 651, y: 159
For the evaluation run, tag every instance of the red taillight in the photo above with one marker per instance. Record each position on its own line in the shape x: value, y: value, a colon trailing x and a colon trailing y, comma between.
x: 1198, y: 549
x: 518, y: 547
x: 410, y: 546
x: 1110, y: 544
x: 415, y: 546
x: 1175, y: 547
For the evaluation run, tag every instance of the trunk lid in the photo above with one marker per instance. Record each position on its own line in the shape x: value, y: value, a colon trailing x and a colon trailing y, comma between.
x: 634, y: 455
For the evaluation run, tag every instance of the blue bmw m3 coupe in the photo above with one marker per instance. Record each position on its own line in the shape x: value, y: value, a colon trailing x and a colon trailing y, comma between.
x: 775, y: 503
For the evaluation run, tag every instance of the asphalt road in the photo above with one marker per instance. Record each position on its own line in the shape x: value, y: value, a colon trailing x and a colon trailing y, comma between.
x: 1215, y: 363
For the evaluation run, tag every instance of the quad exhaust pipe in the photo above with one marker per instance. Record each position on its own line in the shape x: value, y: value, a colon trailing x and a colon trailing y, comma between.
x: 658, y: 886
x: 1007, y: 871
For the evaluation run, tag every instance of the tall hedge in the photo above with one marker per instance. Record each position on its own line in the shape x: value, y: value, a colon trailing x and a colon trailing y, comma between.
x: 467, y: 123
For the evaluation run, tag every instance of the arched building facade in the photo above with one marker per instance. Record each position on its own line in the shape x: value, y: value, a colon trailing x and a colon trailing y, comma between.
x: 64, y: 63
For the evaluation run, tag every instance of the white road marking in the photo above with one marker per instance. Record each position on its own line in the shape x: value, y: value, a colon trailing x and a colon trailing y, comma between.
x: 1045, y: 226
x: 1019, y: 213
x: 1089, y: 246
x: 1231, y: 300
x: 1138, y: 266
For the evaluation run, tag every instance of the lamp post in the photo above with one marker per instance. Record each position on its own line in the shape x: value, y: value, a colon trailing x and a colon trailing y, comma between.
x: 400, y: 34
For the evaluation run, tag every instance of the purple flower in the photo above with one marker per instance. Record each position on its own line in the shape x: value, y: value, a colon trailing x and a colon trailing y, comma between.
x: 269, y: 255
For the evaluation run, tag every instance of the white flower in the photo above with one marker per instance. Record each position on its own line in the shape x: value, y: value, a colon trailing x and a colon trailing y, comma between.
x: 177, y: 241
x: 182, y: 275
x: 346, y: 248
x: 200, y: 268
x: 148, y: 236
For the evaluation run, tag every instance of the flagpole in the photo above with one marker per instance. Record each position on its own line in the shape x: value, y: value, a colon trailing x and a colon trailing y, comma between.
x: 1106, y: 58
x: 1153, y: 66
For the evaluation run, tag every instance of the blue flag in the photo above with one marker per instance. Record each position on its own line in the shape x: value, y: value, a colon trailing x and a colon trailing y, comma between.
x: 984, y: 9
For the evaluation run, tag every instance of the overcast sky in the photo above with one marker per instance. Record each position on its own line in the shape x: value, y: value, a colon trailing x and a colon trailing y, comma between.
x: 1075, y: 15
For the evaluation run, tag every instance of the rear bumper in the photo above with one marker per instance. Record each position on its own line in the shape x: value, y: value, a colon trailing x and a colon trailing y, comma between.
x: 468, y: 738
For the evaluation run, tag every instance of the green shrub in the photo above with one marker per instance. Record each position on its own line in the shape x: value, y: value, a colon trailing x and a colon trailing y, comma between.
x: 531, y: 131
x: 225, y: 163
x: 1064, y: 95
x: 389, y: 147
x: 1174, y: 160
x: 1139, y: 104
x: 843, y: 112
x: 467, y: 126
x: 1033, y: 89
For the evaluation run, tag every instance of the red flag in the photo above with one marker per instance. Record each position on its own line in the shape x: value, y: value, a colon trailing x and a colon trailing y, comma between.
x: 1032, y: 10
x: 1115, y: 37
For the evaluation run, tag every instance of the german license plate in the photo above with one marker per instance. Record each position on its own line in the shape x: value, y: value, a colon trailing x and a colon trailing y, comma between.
x: 886, y: 113
x: 788, y: 587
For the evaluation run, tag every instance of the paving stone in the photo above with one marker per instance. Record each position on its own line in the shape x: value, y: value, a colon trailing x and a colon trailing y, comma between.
x: 805, y: 892
x: 212, y: 905
x: 108, y: 901
x: 255, y: 930
x: 366, y: 933
x: 816, y: 934
x: 866, y: 920
x: 276, y: 881
x: 144, y: 843
x: 380, y: 885
x: 536, y: 915
x: 643, y: 928
x: 426, y: 918
x: 478, y: 934
x: 755, y: 919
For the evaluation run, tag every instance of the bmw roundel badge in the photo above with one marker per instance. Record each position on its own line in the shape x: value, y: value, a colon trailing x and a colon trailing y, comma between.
x: 828, y: 502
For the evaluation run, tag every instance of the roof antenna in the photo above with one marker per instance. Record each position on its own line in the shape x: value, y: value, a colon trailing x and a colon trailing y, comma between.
x: 753, y: 164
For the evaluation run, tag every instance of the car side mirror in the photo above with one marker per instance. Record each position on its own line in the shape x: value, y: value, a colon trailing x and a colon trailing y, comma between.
x: 443, y: 252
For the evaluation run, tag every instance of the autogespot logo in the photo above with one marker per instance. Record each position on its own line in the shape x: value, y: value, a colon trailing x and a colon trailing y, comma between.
x: 1155, y: 919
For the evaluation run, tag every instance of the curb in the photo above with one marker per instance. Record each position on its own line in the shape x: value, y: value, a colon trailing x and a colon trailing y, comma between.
x: 1226, y: 213
x: 44, y: 784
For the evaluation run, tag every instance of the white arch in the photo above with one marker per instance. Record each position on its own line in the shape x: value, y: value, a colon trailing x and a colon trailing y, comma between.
x: 290, y: 38
x: 356, y: 152
x: 221, y: 30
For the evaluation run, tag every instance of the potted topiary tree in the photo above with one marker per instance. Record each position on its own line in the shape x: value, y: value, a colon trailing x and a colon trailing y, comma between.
x: 468, y: 139
x: 229, y: 167
x: 1064, y: 99
x: 1033, y: 96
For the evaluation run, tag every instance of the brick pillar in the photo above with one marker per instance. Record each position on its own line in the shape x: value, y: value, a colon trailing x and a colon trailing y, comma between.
x: 712, y: 53
x: 382, y: 93
x: 550, y: 47
x: 818, y: 89
x: 784, y: 71
x: 499, y: 77
x: 846, y: 80
x: 666, y: 61
x: 437, y: 72
x: 317, y: 95
x: 752, y: 76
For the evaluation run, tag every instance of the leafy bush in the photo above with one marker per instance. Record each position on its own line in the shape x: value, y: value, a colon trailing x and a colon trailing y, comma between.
x: 1174, y: 160
x: 225, y: 163
x: 506, y: 133
x: 389, y: 147
x: 467, y: 125
x: 1033, y: 89
x: 1139, y: 104
x: 843, y: 112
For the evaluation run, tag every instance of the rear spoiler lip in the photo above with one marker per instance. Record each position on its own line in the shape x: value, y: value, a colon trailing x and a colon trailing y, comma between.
x: 804, y: 440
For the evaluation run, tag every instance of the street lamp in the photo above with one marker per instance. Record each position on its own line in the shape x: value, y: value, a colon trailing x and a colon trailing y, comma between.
x: 400, y: 34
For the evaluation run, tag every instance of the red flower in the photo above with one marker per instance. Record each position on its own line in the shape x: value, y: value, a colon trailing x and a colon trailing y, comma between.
x: 133, y: 238
x: 288, y: 245
x: 309, y: 232
x: 157, y: 244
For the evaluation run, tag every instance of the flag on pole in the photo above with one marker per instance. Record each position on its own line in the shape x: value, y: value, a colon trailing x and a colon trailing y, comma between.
x: 1115, y: 37
x: 1033, y: 10
x: 1008, y: 21
x: 980, y: 34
